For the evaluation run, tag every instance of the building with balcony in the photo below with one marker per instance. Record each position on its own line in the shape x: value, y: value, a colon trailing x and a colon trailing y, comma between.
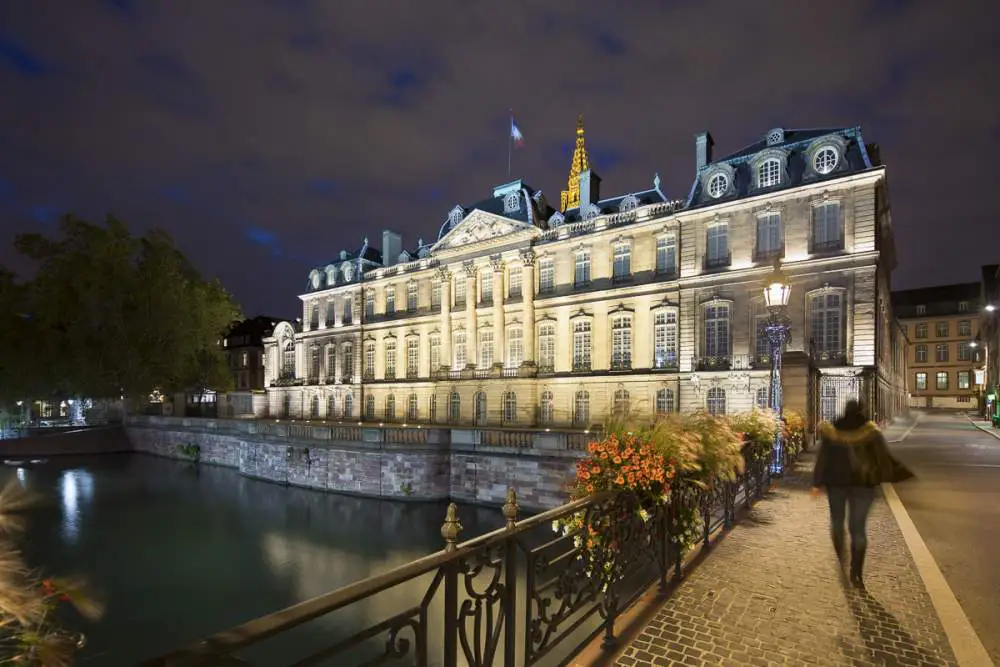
x: 943, y: 326
x: 522, y: 314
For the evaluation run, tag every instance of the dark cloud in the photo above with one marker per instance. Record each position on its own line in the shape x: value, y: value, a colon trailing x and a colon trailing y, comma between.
x: 324, y: 122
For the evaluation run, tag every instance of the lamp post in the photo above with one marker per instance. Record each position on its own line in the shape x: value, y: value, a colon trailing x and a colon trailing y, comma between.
x: 777, y: 290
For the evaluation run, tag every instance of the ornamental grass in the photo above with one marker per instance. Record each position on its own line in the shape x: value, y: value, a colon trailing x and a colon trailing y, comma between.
x: 29, y: 633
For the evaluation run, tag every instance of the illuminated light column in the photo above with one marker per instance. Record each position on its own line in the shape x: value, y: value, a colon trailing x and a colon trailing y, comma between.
x: 496, y: 263
x: 446, y: 360
x: 528, y: 301
x: 471, y: 327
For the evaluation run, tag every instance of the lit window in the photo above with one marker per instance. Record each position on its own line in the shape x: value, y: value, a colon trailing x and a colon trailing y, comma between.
x: 769, y: 173
x: 717, y: 185
x: 825, y: 160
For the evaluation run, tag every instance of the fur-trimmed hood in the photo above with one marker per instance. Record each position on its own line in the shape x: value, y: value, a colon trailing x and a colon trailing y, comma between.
x: 853, y: 437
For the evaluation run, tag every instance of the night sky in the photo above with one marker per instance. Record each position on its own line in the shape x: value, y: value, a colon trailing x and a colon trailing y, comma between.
x: 266, y: 136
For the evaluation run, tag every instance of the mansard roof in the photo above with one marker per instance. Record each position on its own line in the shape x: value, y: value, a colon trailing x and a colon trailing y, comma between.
x: 795, y: 148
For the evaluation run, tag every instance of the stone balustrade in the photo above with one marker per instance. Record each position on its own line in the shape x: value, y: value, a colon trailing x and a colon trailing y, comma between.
x: 419, y: 462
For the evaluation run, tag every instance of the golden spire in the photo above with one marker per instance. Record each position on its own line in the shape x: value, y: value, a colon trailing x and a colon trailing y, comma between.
x: 571, y: 195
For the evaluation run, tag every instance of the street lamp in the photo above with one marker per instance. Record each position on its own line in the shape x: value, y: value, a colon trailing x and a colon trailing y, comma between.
x: 777, y: 290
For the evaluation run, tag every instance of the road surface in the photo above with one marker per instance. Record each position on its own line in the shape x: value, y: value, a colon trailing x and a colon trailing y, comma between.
x: 955, y: 504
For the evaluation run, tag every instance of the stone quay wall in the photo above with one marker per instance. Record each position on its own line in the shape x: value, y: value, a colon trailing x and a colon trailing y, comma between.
x: 416, y: 463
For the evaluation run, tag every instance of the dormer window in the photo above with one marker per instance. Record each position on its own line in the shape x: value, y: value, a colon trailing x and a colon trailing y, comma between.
x: 717, y: 185
x: 825, y: 160
x: 769, y: 173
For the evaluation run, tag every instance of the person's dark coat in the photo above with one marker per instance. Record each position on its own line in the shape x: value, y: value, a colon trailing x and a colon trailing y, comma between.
x: 853, y: 452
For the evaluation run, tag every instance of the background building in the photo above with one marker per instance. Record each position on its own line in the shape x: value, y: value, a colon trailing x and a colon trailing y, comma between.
x: 521, y: 314
x: 942, y: 325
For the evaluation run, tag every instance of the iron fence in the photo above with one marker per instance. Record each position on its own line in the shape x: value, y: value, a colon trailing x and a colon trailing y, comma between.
x: 520, y: 596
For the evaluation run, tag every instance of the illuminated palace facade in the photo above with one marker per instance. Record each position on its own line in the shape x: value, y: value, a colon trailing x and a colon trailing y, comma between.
x: 522, y: 314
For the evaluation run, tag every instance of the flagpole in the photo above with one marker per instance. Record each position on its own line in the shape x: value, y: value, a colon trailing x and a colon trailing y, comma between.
x: 510, y: 141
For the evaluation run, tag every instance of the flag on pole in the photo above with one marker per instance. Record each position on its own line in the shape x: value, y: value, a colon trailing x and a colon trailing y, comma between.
x: 515, y: 133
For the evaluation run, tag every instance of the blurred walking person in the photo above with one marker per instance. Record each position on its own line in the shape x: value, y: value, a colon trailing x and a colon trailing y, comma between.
x: 853, y: 459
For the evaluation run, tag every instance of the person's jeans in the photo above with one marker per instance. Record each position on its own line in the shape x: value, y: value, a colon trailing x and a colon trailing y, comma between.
x: 854, y: 502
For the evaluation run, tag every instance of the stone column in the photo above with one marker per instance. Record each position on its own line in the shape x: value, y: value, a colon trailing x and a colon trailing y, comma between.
x: 528, y: 306
x: 499, y: 339
x: 446, y: 360
x: 471, y: 326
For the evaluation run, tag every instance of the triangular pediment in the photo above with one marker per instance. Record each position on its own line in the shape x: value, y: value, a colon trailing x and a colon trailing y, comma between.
x: 480, y: 227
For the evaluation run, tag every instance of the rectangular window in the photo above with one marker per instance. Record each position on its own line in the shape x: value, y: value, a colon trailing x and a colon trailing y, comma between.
x: 460, y: 283
x: 546, y: 348
x: 581, y: 345
x: 941, y: 380
x: 458, y: 343
x: 920, y: 331
x: 941, y: 352
x: 769, y: 240
x: 412, y: 357
x: 921, y: 354
x: 964, y: 328
x: 826, y: 228
x: 514, y: 282
x: 941, y: 329
x: 963, y: 379
x: 581, y: 275
x: 436, y: 295
x: 515, y: 347
x: 621, y: 343
x: 546, y: 275
x: 390, y: 300
x: 486, y: 286
x: 622, y: 266
x: 435, y: 345
x: 665, y: 339
x: 717, y: 248
x: 964, y: 351
x: 485, y: 348
x: 390, y: 359
x: 921, y: 381
x: 369, y: 303
x: 666, y: 255
x: 411, y: 297
x: 716, y: 319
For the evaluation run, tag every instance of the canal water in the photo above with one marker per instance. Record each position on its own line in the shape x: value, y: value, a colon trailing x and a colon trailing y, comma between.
x: 178, y: 553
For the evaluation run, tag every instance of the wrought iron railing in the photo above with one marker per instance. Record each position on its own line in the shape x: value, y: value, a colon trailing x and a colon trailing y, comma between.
x: 513, y: 597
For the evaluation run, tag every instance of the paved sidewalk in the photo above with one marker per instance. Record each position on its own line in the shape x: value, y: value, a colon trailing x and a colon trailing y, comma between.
x: 770, y: 594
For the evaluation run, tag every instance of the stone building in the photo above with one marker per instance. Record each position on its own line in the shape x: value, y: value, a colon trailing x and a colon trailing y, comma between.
x: 942, y: 325
x: 521, y: 314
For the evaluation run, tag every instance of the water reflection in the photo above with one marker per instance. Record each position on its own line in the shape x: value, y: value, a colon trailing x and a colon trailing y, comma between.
x: 179, y: 553
x: 76, y: 485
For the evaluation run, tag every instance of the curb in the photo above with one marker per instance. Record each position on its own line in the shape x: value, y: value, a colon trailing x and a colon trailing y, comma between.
x: 984, y: 429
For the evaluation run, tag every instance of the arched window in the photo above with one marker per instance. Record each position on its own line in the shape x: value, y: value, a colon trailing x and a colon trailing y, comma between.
x: 664, y: 401
x: 390, y: 408
x: 546, y: 407
x: 621, y: 403
x: 581, y: 408
x: 411, y: 408
x: 349, y: 406
x: 370, y: 407
x: 509, y: 407
x: 480, y: 408
x: 455, y: 408
x: 761, y: 400
x: 715, y: 401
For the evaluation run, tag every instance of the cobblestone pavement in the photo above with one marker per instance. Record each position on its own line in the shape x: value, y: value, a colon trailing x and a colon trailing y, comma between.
x: 771, y: 594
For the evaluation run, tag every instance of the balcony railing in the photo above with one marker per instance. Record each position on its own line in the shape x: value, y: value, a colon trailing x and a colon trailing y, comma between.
x: 516, y: 596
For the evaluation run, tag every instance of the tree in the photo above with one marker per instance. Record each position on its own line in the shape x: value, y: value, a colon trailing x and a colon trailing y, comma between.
x: 109, y: 313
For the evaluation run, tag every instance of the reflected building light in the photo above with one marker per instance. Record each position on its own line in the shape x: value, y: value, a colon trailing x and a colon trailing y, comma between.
x: 77, y: 486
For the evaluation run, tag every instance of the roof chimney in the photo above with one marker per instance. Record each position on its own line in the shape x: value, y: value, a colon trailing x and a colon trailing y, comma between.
x: 590, y: 188
x: 392, y: 246
x: 703, y: 149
